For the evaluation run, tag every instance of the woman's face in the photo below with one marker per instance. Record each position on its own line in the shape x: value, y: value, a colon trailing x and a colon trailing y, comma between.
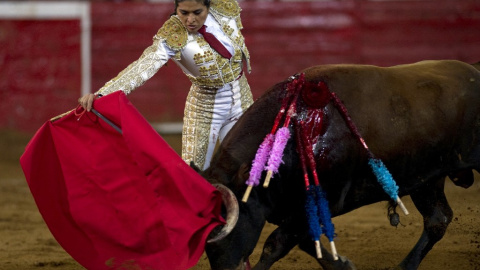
x: 192, y: 14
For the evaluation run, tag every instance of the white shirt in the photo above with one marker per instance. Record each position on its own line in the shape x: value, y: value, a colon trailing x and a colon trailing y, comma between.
x: 214, y: 28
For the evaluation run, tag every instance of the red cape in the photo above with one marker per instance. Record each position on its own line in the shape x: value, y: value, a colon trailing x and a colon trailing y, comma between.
x: 116, y: 201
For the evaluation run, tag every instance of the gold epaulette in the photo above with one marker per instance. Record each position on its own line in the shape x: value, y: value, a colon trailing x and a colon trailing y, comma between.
x: 174, y: 33
x: 226, y: 8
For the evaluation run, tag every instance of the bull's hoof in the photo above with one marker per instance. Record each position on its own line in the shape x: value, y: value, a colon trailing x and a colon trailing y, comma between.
x: 345, y: 264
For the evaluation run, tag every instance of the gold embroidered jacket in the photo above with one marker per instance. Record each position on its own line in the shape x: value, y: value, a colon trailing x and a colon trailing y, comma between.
x: 203, y: 66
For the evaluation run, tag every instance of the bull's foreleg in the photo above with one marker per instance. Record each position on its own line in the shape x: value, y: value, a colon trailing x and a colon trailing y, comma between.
x: 327, y: 261
x: 431, y: 202
x: 277, y: 245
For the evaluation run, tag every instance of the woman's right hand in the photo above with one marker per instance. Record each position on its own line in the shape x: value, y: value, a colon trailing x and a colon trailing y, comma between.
x: 87, y: 101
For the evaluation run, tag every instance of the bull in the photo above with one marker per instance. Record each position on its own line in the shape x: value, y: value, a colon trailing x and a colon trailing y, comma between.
x: 422, y: 120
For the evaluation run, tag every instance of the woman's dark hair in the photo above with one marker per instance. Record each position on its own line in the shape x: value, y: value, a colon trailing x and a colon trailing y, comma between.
x: 205, y: 2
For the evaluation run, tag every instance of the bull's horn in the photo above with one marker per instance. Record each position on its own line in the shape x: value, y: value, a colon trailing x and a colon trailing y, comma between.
x: 231, y: 204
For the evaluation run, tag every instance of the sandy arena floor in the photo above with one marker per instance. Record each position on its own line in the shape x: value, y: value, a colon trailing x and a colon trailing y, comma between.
x: 364, y: 235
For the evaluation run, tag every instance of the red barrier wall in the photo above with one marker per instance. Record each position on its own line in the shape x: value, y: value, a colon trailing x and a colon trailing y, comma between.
x: 40, y: 73
x: 39, y: 70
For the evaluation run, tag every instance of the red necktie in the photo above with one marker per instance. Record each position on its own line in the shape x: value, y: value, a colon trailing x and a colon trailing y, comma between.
x: 214, y: 43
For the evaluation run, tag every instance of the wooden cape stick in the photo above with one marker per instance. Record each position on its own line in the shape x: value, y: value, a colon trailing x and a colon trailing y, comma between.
x: 110, y: 123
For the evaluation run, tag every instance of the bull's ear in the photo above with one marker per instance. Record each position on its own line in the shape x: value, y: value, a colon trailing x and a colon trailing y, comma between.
x: 195, y: 167
x: 243, y: 172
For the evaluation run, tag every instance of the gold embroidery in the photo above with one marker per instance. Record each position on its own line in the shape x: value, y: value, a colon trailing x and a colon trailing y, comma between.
x: 239, y: 23
x: 198, y: 58
x: 201, y: 41
x: 198, y: 119
x: 226, y: 69
x: 246, y: 52
x: 178, y: 55
x: 222, y: 70
x: 196, y: 127
x: 212, y: 69
x: 237, y: 57
x: 138, y: 72
x: 236, y: 66
x: 219, y: 10
x: 221, y: 62
x: 203, y: 71
x: 226, y: 8
x: 246, y: 97
x: 229, y: 77
x: 208, y: 55
x: 174, y: 33
x: 239, y: 39
x: 227, y: 29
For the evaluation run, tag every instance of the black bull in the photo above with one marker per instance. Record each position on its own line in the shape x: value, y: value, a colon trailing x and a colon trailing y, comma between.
x: 422, y: 120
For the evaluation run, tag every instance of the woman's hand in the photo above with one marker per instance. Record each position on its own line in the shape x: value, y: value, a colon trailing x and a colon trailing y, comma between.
x: 87, y: 101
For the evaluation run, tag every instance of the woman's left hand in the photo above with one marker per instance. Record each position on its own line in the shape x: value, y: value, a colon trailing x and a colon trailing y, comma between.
x: 87, y: 101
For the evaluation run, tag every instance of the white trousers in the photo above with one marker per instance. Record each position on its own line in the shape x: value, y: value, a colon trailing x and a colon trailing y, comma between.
x: 209, y: 115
